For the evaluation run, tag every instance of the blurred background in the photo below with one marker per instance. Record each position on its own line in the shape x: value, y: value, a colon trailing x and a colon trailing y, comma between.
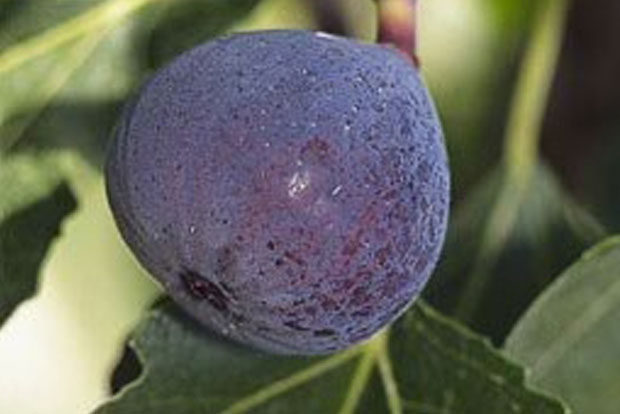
x: 67, y: 66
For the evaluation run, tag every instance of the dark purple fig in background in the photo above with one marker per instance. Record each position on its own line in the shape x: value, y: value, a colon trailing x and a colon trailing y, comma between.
x: 289, y: 189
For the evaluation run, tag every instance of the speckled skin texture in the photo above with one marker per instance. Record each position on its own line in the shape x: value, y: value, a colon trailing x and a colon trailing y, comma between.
x: 289, y: 189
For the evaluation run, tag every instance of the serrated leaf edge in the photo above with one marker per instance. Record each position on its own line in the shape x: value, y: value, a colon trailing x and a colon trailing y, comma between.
x: 445, y: 348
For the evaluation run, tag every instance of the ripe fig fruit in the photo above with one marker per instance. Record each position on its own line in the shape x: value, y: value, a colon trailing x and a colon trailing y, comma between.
x: 289, y: 189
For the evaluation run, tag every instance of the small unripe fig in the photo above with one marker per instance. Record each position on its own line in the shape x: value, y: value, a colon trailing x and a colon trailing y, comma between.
x: 289, y: 189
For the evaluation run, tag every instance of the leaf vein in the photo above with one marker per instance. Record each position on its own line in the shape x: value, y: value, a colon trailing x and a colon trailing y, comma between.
x: 288, y: 383
x: 360, y: 379
x: 445, y: 348
x: 94, y: 19
x: 577, y: 330
x: 390, y: 384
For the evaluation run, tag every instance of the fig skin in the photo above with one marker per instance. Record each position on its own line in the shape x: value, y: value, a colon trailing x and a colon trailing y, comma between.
x: 289, y: 189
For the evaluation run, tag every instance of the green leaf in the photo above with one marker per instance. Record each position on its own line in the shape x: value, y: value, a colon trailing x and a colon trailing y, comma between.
x: 511, y: 15
x: 570, y: 336
x: 47, y: 50
x: 93, y: 53
x: 75, y: 110
x: 63, y: 343
x: 550, y: 229
x: 34, y: 202
x: 188, y: 23
x: 424, y: 364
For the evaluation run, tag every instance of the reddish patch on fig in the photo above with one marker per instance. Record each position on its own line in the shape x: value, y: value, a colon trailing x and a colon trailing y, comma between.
x: 315, y: 150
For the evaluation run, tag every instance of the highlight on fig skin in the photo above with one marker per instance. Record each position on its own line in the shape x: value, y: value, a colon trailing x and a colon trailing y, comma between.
x: 288, y: 189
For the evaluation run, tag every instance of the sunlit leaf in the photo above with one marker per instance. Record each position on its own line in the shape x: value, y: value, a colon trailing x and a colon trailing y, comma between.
x: 95, y: 54
x: 36, y: 65
x: 33, y: 204
x: 79, y: 108
x: 88, y: 279
x: 570, y: 337
x: 425, y: 364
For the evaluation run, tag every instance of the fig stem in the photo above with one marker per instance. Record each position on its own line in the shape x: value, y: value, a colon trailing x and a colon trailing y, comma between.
x: 521, y: 155
x: 397, y: 26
